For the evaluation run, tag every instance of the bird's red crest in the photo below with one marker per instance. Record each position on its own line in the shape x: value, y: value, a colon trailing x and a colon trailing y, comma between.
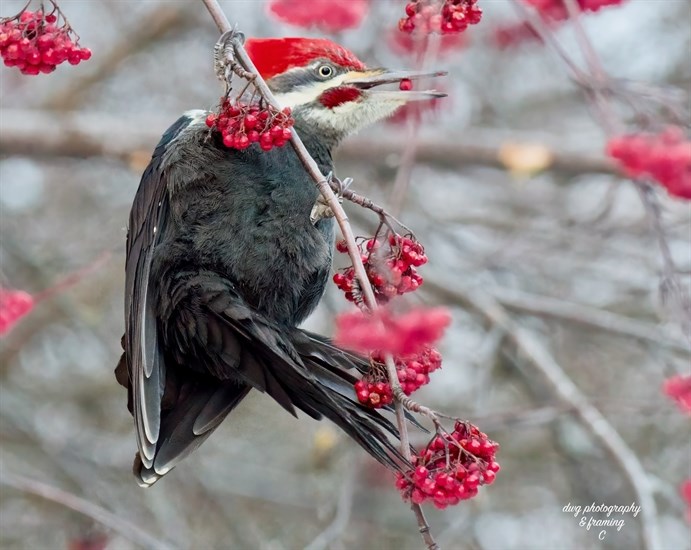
x: 274, y: 56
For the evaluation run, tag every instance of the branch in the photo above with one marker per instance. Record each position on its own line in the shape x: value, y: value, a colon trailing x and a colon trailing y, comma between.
x: 342, y: 219
x: 126, y: 529
x: 161, y: 20
x: 566, y: 392
x: 79, y: 134
x: 586, y: 316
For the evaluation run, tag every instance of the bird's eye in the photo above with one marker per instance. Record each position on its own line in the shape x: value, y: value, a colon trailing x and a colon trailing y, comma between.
x: 325, y: 71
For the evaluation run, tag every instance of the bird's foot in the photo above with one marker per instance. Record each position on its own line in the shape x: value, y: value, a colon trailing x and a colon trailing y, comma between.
x: 224, y: 55
x: 339, y: 186
x: 320, y: 210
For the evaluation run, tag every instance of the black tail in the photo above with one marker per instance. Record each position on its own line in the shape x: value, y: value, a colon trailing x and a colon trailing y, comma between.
x: 330, y: 366
x: 191, y: 409
x: 296, y: 368
x: 199, y: 410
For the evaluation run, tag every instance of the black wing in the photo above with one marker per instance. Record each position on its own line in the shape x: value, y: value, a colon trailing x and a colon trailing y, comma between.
x: 147, y: 227
x: 210, y: 324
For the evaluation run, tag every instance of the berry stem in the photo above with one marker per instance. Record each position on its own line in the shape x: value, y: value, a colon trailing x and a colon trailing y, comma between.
x: 367, y: 203
x: 16, y: 16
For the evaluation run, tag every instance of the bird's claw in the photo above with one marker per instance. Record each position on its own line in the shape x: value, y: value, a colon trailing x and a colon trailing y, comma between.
x: 224, y: 54
x: 339, y: 186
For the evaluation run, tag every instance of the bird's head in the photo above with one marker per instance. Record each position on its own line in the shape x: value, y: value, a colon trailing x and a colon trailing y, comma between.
x: 327, y: 86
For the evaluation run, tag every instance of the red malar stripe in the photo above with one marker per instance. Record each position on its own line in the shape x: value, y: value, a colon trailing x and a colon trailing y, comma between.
x: 338, y: 96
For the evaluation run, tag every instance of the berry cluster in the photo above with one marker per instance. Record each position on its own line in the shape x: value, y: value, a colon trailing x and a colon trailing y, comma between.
x: 243, y: 124
x: 413, y: 372
x: 664, y: 157
x: 390, y: 263
x: 556, y: 10
x: 34, y: 43
x: 451, y: 467
x: 440, y: 16
x: 14, y: 304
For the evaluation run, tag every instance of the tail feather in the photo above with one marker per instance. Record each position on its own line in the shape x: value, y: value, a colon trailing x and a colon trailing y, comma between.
x: 329, y: 367
x: 199, y: 410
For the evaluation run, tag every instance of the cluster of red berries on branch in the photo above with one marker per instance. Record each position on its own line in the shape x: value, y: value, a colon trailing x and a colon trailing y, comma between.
x: 242, y: 124
x: 413, y: 372
x: 390, y: 262
x: 451, y: 468
x: 34, y: 43
x: 556, y: 10
x: 439, y: 16
x: 14, y: 304
x: 663, y: 157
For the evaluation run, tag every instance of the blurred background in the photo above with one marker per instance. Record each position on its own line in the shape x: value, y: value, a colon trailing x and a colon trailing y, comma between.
x: 544, y: 256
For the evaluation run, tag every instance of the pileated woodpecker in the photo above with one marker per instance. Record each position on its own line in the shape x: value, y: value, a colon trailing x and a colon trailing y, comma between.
x: 224, y: 262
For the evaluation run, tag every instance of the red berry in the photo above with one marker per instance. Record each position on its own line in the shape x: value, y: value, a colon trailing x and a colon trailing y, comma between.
x: 251, y: 122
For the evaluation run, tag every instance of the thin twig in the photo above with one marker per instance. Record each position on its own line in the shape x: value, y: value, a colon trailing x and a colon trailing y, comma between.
x: 572, y: 312
x: 367, y: 203
x: 332, y: 201
x: 407, y: 163
x: 105, y: 517
x: 78, y: 134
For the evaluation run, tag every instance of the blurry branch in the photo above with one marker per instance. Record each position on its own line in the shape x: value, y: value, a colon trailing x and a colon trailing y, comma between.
x: 128, y: 530
x: 74, y: 277
x: 162, y: 19
x: 586, y: 316
x: 61, y: 305
x: 570, y: 312
x: 399, y: 192
x: 75, y: 134
x: 343, y: 511
x: 564, y: 390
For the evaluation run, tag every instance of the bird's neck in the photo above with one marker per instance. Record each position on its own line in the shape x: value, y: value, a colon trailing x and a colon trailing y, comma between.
x: 319, y: 144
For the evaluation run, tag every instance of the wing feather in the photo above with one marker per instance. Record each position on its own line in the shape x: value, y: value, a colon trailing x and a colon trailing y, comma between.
x: 146, y: 368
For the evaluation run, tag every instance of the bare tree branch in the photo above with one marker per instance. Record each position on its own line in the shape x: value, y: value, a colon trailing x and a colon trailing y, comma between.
x: 128, y: 530
x: 78, y: 134
x: 600, y: 91
x: 586, y: 316
x: 161, y: 20
x: 343, y: 511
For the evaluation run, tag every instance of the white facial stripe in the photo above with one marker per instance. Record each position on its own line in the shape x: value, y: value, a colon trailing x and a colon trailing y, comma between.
x: 309, y: 93
x: 352, y: 116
